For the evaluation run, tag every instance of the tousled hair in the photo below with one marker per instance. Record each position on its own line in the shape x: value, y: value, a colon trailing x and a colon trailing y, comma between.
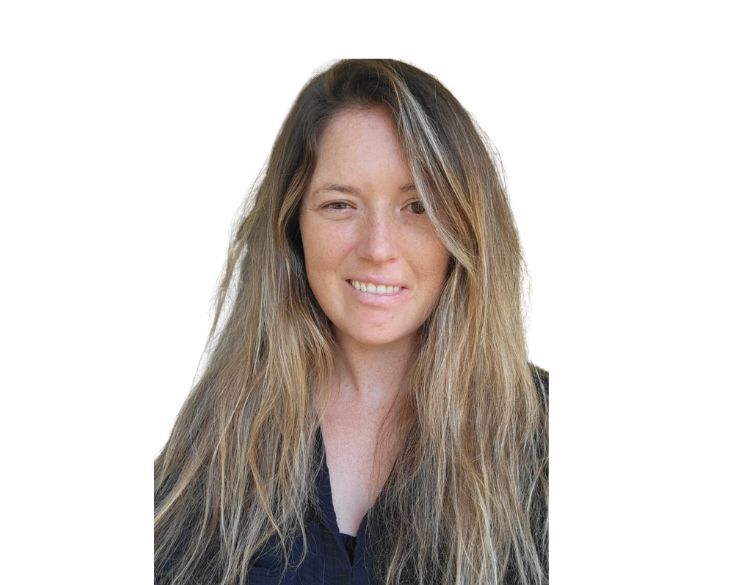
x: 466, y: 499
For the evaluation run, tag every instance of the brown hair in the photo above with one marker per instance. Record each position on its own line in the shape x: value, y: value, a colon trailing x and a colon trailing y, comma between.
x: 467, y: 497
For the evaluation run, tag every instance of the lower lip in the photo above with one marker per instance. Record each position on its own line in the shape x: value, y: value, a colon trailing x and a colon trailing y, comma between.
x: 377, y: 300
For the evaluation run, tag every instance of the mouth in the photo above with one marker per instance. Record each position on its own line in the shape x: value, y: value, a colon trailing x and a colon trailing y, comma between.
x: 376, y: 289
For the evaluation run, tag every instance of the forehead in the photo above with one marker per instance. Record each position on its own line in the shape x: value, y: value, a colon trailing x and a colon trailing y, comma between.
x: 361, y: 144
x: 358, y: 120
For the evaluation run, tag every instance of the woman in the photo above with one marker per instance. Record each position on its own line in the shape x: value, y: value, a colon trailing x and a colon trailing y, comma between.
x: 367, y: 413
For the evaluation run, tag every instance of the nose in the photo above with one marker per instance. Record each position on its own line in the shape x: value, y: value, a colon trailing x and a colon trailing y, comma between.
x: 378, y: 235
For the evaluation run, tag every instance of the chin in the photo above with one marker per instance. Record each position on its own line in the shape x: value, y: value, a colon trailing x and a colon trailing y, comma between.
x: 376, y: 338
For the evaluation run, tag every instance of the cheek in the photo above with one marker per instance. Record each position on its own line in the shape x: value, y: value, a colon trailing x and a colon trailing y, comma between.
x: 322, y: 254
x: 310, y: 240
x: 436, y: 261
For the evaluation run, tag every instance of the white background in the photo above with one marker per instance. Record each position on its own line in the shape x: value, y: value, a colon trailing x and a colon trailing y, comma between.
x: 130, y: 133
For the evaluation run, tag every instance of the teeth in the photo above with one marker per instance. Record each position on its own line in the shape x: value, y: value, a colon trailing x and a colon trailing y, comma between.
x: 375, y: 289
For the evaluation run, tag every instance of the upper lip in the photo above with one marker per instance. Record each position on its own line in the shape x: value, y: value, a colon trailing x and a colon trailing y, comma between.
x: 378, y: 280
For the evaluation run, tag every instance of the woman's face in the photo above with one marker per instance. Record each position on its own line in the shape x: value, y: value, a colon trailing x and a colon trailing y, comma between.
x: 373, y: 259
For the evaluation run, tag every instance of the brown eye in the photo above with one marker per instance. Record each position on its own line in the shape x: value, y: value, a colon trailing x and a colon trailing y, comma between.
x: 417, y: 207
x: 337, y: 205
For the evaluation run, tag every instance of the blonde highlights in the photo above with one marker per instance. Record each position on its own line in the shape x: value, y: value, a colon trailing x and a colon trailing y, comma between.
x: 466, y: 499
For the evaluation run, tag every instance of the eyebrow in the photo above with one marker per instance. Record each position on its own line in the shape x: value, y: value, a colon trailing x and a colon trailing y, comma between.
x: 349, y: 190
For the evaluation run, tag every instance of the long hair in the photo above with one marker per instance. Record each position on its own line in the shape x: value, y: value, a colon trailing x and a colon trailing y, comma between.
x: 466, y: 498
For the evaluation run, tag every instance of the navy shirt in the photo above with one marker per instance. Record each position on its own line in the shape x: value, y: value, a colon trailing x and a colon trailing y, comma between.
x: 339, y: 559
x: 333, y: 559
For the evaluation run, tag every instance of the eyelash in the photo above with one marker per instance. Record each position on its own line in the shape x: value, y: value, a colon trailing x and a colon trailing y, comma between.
x: 334, y: 203
x: 423, y: 209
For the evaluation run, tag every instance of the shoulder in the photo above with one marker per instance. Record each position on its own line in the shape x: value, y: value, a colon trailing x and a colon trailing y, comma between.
x: 541, y: 381
x: 540, y: 376
x: 538, y: 510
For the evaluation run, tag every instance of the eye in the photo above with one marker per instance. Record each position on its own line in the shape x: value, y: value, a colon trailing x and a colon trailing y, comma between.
x: 417, y: 207
x: 336, y: 205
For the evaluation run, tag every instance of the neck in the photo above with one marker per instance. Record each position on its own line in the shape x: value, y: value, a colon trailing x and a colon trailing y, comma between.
x: 372, y: 375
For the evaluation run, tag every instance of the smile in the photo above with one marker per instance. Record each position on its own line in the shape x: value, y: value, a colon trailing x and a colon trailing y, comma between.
x: 375, y: 289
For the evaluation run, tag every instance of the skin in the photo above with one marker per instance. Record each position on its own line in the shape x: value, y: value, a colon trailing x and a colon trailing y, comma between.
x: 361, y: 216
